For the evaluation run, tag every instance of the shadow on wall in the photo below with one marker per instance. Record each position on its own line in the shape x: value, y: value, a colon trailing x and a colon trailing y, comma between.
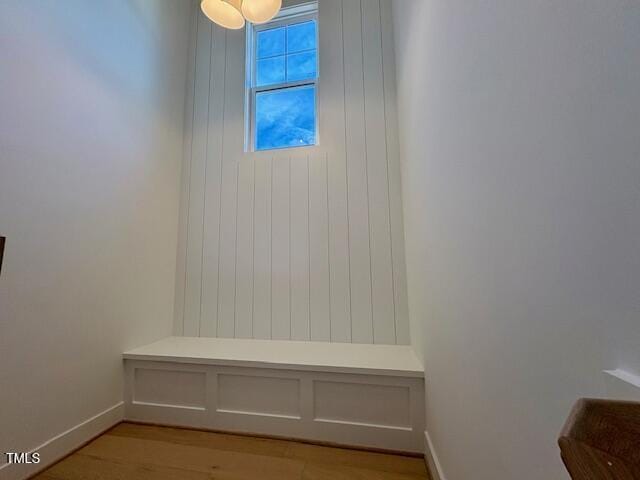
x: 104, y: 48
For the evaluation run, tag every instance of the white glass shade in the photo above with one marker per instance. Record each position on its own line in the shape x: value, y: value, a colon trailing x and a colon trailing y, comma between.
x: 226, y: 13
x: 260, y: 11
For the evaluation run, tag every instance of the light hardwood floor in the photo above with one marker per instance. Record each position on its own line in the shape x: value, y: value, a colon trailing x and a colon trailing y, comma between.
x: 130, y: 451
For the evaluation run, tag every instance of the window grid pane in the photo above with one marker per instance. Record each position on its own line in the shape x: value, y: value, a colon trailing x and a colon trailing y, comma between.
x: 270, y: 70
x: 290, y: 42
x: 301, y: 66
x: 271, y: 42
x: 301, y: 36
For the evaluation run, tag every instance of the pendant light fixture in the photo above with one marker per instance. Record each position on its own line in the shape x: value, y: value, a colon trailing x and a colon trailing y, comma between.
x: 233, y: 13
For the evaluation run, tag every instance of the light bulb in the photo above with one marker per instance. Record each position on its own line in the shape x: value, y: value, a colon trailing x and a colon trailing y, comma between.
x: 224, y: 12
x: 260, y: 11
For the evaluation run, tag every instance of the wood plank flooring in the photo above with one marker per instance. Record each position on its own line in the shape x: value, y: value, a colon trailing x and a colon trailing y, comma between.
x: 143, y: 452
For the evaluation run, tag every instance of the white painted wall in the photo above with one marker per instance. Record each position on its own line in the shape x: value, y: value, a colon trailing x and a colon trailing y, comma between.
x: 303, y: 244
x: 91, y: 125
x: 519, y: 128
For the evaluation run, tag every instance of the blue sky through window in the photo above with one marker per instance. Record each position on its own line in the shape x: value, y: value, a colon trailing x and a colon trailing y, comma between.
x: 286, y: 116
x: 301, y: 66
x: 286, y: 54
x: 270, y: 71
x: 301, y: 36
x: 271, y: 42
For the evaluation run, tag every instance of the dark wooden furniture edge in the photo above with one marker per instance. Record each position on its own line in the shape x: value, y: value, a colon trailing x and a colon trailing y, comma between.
x: 600, y: 440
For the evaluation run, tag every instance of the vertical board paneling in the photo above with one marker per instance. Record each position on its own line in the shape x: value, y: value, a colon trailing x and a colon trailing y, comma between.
x: 213, y: 175
x: 244, y: 262
x: 300, y: 249
x: 232, y: 145
x: 332, y: 126
x: 376, y: 148
x: 181, y: 259
x: 227, y: 275
x: 193, y: 286
x: 262, y: 250
x: 360, y: 258
x: 319, y: 299
x: 306, y: 244
x: 280, y: 250
x: 393, y: 170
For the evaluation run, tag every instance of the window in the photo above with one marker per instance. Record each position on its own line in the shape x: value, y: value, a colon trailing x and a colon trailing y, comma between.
x: 282, y: 77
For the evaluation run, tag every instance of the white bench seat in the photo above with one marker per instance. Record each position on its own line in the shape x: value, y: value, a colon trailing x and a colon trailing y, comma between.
x: 350, y: 394
x: 393, y: 360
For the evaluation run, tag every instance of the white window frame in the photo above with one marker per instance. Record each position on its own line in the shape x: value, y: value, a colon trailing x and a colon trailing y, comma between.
x: 295, y: 14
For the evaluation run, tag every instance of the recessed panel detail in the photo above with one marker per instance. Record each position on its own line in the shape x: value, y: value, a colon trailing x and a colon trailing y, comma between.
x: 269, y: 396
x: 171, y: 388
x: 362, y: 404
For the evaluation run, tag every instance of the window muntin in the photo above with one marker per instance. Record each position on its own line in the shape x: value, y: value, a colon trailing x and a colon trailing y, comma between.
x: 283, y: 72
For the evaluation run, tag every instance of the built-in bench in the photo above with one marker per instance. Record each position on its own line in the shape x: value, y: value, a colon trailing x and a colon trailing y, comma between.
x: 349, y: 394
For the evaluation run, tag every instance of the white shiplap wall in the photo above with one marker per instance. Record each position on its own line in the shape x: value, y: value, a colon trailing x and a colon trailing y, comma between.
x: 307, y: 243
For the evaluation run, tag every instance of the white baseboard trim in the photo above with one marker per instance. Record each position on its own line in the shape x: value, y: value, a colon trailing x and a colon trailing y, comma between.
x: 61, y: 445
x: 431, y: 457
